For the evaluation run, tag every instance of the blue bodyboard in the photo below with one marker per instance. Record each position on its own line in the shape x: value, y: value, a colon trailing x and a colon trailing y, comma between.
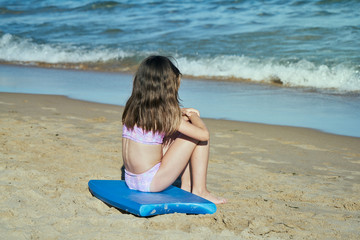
x: 172, y: 200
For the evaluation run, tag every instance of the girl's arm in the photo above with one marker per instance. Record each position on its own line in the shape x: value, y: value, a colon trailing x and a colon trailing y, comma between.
x: 187, y: 111
x: 195, y: 128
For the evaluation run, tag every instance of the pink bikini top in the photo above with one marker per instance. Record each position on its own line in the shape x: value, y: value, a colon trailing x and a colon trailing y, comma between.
x: 141, y: 136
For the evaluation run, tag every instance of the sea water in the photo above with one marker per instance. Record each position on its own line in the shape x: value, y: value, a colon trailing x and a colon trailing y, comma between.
x: 309, y: 47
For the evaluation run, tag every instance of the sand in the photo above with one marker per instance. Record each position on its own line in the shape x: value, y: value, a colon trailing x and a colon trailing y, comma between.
x: 281, y: 182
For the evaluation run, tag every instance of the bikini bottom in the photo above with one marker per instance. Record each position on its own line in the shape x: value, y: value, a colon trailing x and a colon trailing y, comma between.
x: 141, y: 182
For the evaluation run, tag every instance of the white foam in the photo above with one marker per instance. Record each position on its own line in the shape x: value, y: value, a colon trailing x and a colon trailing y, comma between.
x: 302, y: 73
x: 13, y: 48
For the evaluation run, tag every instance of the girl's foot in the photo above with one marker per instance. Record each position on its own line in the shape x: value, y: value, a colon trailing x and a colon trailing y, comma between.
x: 208, y: 196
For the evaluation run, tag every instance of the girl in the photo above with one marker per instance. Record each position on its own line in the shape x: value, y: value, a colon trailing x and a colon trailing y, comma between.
x: 160, y: 140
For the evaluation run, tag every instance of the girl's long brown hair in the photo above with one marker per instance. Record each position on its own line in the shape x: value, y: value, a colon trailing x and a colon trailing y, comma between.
x: 154, y: 101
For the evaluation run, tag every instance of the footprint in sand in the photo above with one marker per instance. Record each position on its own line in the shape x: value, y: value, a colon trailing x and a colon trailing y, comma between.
x: 299, y: 145
x: 49, y: 109
x: 266, y: 160
x: 5, y: 103
x: 112, y: 111
x: 222, y: 135
x: 76, y: 118
x: 241, y: 132
x: 106, y: 111
x: 97, y: 120
x: 220, y: 145
x: 310, y: 147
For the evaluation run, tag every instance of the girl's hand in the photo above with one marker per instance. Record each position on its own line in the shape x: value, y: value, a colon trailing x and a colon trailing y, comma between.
x: 185, y: 118
x: 188, y: 111
x: 192, y: 125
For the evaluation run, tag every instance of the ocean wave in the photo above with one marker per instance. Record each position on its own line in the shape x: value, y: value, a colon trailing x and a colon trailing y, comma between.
x: 16, y: 49
x: 301, y: 73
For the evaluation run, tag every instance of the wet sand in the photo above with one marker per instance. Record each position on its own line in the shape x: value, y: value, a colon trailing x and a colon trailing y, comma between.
x: 281, y: 182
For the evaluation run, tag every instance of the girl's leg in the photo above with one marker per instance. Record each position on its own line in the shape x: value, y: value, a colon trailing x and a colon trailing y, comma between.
x: 176, y: 161
x: 186, y: 175
x: 186, y: 179
x: 199, y: 165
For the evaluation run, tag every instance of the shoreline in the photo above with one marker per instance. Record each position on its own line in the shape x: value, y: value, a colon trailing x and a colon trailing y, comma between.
x: 247, y: 102
x: 207, y: 119
x: 281, y: 182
